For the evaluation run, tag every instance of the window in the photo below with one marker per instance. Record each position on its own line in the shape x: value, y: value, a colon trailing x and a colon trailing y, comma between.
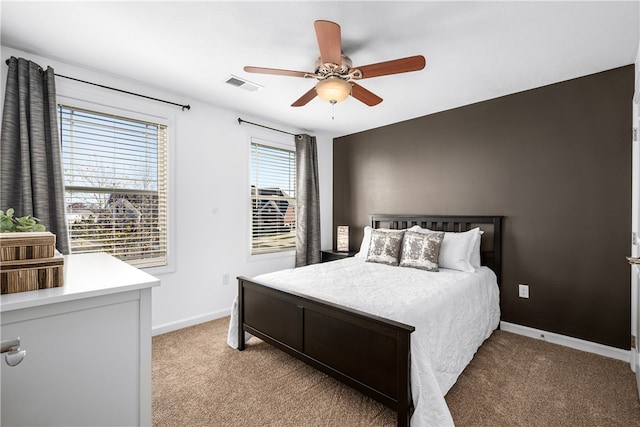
x: 115, y: 173
x: 273, y: 199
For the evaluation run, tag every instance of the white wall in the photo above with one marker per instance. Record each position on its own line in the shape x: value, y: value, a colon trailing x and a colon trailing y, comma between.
x: 209, y: 192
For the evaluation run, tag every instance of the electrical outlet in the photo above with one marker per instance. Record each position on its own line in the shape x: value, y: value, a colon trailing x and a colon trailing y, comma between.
x: 225, y: 279
x: 523, y: 291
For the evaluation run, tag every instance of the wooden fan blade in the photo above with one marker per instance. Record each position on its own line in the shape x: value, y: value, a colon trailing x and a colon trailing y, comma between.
x: 305, y: 98
x: 363, y: 95
x: 396, y: 66
x: 262, y: 70
x: 329, y: 42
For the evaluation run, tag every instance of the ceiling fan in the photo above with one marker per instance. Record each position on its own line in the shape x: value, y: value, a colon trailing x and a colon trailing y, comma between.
x: 335, y: 72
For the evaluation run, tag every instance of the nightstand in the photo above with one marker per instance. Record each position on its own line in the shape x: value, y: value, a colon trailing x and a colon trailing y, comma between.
x: 331, y: 255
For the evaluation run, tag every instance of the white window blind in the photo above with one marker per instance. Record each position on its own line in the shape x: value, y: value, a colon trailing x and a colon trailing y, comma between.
x: 273, y: 199
x: 115, y: 172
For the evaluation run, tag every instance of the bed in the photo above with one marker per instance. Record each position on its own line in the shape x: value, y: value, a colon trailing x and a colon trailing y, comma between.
x: 395, y: 340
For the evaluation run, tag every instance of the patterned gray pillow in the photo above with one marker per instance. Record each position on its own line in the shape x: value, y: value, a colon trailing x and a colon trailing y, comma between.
x: 421, y: 250
x: 385, y: 246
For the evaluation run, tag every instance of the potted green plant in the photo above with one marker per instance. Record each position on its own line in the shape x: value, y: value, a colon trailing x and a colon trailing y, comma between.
x: 10, y: 223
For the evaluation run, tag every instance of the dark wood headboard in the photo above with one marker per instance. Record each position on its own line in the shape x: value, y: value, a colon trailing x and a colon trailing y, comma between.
x: 491, y: 244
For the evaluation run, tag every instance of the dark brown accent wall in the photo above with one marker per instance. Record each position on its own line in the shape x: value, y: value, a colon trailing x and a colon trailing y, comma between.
x: 555, y: 161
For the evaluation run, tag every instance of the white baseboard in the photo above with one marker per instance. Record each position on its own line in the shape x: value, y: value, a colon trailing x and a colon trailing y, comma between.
x: 635, y: 367
x: 578, y: 344
x: 191, y: 321
x: 638, y: 380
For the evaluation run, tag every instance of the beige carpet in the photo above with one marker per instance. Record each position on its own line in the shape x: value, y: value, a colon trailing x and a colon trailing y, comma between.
x: 512, y: 381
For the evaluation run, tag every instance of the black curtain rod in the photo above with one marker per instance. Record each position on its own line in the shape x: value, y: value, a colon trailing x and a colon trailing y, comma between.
x: 240, y: 121
x: 187, y: 106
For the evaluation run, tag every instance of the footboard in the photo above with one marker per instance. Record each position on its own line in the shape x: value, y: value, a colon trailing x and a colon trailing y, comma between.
x: 366, y: 352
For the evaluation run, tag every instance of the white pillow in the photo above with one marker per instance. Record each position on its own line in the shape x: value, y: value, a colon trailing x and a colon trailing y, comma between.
x: 364, y: 245
x: 475, y: 252
x: 458, y: 249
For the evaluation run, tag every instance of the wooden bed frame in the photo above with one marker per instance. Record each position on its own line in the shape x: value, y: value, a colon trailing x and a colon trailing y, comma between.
x: 369, y: 353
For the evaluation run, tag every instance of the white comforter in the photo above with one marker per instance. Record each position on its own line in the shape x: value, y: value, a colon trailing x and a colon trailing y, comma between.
x: 453, y: 313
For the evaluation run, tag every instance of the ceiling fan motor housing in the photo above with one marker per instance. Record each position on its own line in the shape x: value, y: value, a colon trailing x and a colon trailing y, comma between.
x: 328, y: 69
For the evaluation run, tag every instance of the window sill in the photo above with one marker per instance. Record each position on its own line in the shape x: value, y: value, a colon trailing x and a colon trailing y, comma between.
x: 159, y: 271
x: 272, y: 255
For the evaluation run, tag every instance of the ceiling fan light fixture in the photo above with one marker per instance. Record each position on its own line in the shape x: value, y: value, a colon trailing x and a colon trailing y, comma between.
x: 333, y: 89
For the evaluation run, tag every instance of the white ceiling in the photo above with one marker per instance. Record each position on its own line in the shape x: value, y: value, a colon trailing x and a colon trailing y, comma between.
x: 474, y: 50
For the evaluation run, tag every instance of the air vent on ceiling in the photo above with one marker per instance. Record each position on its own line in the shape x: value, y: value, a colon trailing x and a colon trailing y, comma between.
x: 244, y: 84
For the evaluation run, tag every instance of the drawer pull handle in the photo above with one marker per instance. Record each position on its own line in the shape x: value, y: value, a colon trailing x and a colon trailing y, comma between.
x: 14, y: 354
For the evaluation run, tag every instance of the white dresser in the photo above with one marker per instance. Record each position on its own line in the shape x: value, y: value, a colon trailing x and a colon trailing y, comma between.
x: 88, y: 348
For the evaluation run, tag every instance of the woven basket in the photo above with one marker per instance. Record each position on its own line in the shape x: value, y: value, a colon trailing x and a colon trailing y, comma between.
x: 31, y: 274
x: 27, y: 245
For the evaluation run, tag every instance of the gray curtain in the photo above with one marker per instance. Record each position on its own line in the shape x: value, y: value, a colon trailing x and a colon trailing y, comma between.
x: 30, y: 154
x: 308, y: 201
